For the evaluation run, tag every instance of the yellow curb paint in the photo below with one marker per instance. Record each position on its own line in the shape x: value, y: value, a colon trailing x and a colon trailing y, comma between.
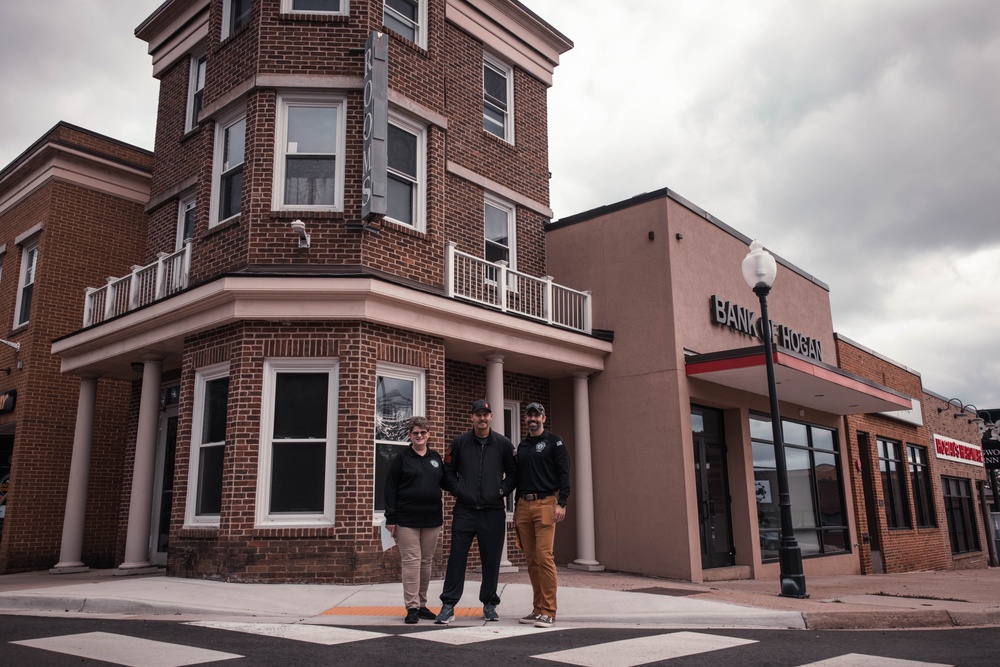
x: 393, y: 611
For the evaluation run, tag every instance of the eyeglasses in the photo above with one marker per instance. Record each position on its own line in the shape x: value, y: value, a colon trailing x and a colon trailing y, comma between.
x: 418, y: 434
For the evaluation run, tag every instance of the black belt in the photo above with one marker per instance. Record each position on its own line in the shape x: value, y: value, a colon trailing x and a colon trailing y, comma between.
x: 535, y: 496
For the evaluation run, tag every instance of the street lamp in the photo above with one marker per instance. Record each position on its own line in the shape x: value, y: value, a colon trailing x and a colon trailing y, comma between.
x: 759, y: 270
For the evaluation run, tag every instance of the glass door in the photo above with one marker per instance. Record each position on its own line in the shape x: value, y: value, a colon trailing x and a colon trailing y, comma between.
x: 711, y: 474
x: 163, y: 486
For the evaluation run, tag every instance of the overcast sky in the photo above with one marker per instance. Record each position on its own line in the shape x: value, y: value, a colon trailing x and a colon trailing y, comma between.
x: 858, y: 139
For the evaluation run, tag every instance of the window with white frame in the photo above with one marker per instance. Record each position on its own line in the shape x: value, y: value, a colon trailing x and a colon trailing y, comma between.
x: 298, y: 443
x: 499, y: 225
x: 314, y: 6
x: 309, y: 165
x: 26, y: 282
x: 185, y: 221
x: 407, y: 18
x: 498, y: 98
x: 406, y: 149
x: 196, y: 91
x: 230, y: 149
x: 208, y: 445
x: 399, y: 394
x: 235, y: 15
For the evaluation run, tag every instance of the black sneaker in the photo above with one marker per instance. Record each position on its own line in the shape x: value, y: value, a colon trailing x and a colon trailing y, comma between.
x: 447, y: 614
x: 426, y: 614
x: 412, y: 616
x: 529, y: 619
x: 490, y: 613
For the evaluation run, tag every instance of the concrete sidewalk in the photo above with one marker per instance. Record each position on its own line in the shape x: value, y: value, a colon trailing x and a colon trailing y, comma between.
x: 914, y: 600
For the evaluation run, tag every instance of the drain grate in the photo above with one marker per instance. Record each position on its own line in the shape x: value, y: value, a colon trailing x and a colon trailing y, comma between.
x: 660, y: 590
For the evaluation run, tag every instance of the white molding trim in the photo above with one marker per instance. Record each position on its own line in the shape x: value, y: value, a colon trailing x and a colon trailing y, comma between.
x: 497, y: 189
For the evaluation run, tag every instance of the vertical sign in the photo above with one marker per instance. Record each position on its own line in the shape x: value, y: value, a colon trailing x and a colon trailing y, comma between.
x: 374, y: 167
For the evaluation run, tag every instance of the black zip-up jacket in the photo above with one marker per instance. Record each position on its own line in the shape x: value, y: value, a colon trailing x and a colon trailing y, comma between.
x: 480, y: 476
x: 413, y: 490
x: 543, y: 466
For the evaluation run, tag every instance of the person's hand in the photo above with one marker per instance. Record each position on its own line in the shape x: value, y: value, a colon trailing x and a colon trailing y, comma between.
x: 560, y: 513
x: 392, y: 529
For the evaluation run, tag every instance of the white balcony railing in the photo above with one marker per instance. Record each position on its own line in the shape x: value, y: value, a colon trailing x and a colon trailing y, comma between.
x: 146, y: 284
x: 495, y: 285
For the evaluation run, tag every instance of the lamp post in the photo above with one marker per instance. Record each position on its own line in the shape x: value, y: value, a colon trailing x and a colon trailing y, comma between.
x: 759, y: 270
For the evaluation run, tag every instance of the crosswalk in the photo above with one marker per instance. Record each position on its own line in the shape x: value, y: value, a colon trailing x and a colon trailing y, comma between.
x: 658, y: 648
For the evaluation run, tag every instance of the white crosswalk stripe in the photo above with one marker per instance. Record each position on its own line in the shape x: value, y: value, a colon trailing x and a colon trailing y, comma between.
x: 478, y: 633
x: 316, y: 634
x: 126, y: 650
x: 643, y: 650
x: 859, y: 660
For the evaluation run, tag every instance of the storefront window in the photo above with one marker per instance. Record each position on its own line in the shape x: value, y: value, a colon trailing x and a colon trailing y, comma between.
x: 891, y: 471
x: 920, y: 482
x: 815, y: 491
x: 961, y: 515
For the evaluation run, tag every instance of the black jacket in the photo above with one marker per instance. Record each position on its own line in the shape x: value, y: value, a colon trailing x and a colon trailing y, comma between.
x: 413, y: 490
x: 480, y: 476
x: 543, y: 466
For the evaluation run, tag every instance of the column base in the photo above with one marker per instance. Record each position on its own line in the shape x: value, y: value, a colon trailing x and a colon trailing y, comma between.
x: 68, y: 568
x: 586, y: 566
x: 130, y: 569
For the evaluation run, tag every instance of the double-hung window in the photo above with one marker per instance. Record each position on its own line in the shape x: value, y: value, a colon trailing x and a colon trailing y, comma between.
x: 196, y: 91
x: 407, y: 18
x: 920, y: 482
x: 960, y: 510
x: 499, y: 225
x: 185, y: 221
x: 26, y: 283
x: 230, y: 148
x: 235, y: 15
x: 406, y: 149
x: 309, y: 168
x: 298, y: 443
x: 498, y: 98
x: 314, y: 6
x: 890, y: 463
x: 399, y: 394
x: 208, y: 445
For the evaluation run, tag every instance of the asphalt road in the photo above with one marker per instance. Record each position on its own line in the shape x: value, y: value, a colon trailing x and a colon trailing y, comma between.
x: 37, y: 642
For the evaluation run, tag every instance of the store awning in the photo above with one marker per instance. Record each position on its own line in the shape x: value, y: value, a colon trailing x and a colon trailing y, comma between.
x: 799, y: 380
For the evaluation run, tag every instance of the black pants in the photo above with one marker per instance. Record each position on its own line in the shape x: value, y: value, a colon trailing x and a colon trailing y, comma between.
x: 488, y: 526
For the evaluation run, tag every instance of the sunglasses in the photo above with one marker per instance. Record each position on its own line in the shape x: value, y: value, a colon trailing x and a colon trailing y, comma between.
x: 419, y: 434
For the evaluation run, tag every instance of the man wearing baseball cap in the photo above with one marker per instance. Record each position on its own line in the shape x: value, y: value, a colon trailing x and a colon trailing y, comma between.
x: 542, y: 493
x: 480, y: 471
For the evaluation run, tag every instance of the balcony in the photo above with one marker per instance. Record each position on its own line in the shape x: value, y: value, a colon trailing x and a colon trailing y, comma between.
x: 496, y: 286
x: 146, y: 284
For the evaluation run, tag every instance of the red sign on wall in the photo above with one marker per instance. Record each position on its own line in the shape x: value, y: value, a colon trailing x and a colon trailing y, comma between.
x: 956, y: 450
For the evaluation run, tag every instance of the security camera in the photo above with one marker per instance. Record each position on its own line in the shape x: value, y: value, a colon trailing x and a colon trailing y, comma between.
x: 300, y: 227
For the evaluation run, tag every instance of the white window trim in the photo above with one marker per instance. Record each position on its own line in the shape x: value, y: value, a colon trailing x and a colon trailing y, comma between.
x: 286, y: 8
x: 280, y: 137
x: 182, y: 206
x: 201, y: 377
x: 271, y: 368
x: 192, y: 120
x: 26, y: 249
x: 420, y: 203
x: 511, y: 209
x: 220, y: 143
x: 420, y: 30
x: 508, y: 125
x: 419, y: 378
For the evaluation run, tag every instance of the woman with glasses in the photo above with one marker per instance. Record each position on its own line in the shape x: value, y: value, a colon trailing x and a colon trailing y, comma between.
x: 413, y: 515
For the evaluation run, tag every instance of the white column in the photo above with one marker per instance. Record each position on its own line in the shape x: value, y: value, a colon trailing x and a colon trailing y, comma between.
x: 141, y: 503
x: 583, y: 489
x: 79, y: 475
x: 494, y: 394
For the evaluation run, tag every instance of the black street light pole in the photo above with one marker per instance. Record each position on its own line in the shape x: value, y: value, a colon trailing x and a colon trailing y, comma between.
x: 759, y: 270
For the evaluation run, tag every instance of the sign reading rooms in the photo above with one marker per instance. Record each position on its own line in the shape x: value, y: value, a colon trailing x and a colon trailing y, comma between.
x: 745, y: 321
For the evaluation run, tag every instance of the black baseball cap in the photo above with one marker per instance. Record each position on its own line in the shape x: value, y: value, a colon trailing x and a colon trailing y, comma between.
x: 481, y: 405
x: 534, y: 407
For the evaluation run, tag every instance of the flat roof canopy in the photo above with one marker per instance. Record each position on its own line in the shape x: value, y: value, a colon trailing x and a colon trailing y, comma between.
x: 799, y: 380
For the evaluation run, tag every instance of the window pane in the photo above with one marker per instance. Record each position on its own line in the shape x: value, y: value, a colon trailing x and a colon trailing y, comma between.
x: 800, y: 487
x: 297, y: 476
x: 231, y: 197
x: 234, y: 144
x: 316, y: 5
x: 406, y: 8
x: 808, y: 541
x: 794, y: 434
x: 497, y: 224
x: 496, y: 253
x: 828, y: 490
x: 400, y: 204
x: 822, y: 439
x: 309, y: 181
x: 25, y: 313
x: 495, y: 87
x: 384, y: 454
x: 393, y: 408
x: 213, y: 428
x: 188, y: 213
x: 300, y: 405
x: 312, y: 130
x: 402, y: 151
x: 240, y: 14
x: 834, y: 541
x: 210, y: 480
x: 760, y: 428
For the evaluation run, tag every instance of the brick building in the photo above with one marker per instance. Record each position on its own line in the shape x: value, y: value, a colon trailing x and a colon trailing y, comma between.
x: 918, y: 475
x: 71, y: 213
x: 277, y: 336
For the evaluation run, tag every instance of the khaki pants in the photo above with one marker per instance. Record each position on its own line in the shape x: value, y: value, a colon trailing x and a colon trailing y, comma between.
x: 536, y: 530
x: 416, y: 549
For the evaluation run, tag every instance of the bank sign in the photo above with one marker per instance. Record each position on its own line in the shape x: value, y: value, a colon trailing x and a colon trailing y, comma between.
x: 950, y: 449
x: 745, y: 321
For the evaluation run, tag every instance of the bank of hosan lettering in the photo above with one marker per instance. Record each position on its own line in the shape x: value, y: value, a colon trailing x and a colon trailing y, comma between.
x: 956, y: 450
x: 745, y: 321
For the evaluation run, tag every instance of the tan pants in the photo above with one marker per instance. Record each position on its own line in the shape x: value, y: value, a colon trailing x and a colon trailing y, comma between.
x: 416, y: 548
x: 536, y: 530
